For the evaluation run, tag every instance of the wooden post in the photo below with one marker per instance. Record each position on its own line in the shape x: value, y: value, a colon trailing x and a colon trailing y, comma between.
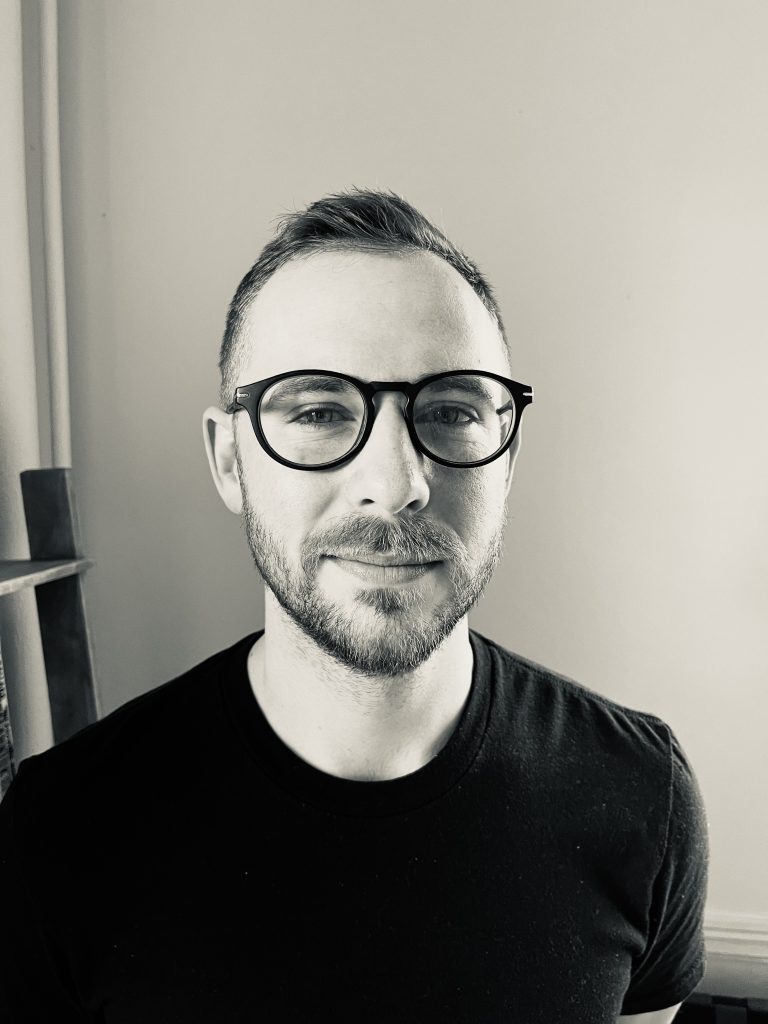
x: 54, y: 533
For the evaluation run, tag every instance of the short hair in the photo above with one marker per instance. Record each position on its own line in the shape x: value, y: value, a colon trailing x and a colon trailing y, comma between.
x: 356, y: 220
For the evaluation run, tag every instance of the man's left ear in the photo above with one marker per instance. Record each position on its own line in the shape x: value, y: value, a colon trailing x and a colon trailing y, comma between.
x: 511, y: 457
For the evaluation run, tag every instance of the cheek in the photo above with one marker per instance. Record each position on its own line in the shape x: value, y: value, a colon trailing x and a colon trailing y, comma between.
x: 288, y: 502
x: 478, y: 504
x: 479, y: 493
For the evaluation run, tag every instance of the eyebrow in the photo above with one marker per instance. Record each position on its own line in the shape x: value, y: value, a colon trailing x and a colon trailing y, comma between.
x: 312, y: 384
x: 467, y: 385
x: 316, y: 384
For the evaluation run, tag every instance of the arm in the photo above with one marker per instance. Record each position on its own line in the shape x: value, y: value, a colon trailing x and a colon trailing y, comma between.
x: 32, y: 987
x: 656, y: 1017
x: 673, y: 962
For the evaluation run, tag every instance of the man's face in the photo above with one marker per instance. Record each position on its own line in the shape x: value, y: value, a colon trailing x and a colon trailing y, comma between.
x: 320, y: 538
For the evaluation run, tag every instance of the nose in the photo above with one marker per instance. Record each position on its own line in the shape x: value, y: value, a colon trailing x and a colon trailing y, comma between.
x: 388, y: 472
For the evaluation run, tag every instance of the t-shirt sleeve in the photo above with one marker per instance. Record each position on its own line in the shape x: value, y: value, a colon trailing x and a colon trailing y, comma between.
x: 33, y: 984
x: 673, y: 961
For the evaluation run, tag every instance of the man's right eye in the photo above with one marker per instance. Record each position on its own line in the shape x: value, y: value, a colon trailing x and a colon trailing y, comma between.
x: 320, y: 415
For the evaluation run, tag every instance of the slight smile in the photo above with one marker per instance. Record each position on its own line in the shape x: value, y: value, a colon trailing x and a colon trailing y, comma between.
x: 383, y: 570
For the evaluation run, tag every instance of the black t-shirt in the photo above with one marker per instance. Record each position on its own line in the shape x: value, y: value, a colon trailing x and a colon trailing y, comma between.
x: 177, y: 863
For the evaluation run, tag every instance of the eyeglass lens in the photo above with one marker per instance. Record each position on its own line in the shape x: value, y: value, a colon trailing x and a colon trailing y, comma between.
x: 312, y: 420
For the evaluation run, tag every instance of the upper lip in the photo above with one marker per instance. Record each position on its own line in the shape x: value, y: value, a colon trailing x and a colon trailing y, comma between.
x: 383, y: 559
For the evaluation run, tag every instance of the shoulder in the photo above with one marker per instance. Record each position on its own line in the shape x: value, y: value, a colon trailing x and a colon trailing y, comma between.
x: 570, y: 740
x: 526, y: 682
x: 581, y: 729
x: 146, y: 744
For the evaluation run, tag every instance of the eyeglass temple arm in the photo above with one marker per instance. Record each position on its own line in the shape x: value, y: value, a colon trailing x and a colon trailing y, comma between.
x: 511, y: 403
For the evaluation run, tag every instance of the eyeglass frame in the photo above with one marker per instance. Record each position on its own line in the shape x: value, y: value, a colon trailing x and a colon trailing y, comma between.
x: 249, y: 396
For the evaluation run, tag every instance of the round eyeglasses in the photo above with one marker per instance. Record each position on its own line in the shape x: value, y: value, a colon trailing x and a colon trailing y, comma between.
x: 317, y: 419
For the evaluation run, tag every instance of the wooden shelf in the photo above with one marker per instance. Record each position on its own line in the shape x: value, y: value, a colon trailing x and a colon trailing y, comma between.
x: 18, y: 575
x: 54, y: 572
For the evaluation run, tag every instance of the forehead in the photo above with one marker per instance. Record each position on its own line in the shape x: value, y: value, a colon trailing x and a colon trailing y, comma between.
x: 373, y: 315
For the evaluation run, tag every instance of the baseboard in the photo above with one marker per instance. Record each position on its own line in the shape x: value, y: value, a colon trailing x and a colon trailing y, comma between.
x: 739, y: 935
x: 737, y: 955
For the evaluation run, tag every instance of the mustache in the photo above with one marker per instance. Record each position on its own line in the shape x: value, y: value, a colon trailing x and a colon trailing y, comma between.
x: 411, y: 540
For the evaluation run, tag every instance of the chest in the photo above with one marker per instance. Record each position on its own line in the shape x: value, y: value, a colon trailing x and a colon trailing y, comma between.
x: 486, y: 913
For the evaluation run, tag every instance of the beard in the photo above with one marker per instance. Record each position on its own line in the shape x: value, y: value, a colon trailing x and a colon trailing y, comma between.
x: 399, y: 633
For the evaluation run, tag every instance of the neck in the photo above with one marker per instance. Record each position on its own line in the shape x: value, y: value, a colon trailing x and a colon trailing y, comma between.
x: 350, y: 725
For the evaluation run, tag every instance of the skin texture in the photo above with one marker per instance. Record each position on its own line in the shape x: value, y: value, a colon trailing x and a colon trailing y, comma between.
x: 364, y: 680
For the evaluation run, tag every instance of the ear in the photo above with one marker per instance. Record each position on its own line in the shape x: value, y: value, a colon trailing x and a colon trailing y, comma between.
x: 511, y: 456
x: 219, y: 437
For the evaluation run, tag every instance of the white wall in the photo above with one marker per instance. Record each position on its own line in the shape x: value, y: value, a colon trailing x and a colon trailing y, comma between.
x: 605, y: 162
x: 21, y: 658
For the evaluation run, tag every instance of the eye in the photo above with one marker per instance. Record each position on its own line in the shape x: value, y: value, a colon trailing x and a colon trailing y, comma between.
x: 448, y: 415
x: 320, y: 415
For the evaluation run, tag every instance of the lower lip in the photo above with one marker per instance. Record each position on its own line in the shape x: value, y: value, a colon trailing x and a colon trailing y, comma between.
x: 383, y: 574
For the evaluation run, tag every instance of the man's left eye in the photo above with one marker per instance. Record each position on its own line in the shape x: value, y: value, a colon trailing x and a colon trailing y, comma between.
x: 447, y: 415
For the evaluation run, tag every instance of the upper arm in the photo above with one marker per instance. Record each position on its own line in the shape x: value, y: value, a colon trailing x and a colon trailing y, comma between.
x: 32, y: 987
x: 655, y: 1017
x: 673, y: 960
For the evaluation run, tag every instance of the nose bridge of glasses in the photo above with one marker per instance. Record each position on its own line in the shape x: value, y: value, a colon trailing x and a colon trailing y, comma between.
x: 394, y: 431
x: 378, y: 388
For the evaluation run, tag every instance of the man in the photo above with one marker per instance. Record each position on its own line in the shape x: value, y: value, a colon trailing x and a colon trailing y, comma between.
x: 365, y: 812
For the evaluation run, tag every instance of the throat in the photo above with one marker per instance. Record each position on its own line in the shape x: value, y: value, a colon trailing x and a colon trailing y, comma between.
x: 354, y: 727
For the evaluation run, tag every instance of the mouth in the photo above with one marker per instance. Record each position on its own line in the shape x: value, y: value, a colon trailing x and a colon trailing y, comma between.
x: 382, y: 569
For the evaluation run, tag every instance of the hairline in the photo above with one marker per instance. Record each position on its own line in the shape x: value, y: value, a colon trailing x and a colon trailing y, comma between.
x: 351, y: 245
